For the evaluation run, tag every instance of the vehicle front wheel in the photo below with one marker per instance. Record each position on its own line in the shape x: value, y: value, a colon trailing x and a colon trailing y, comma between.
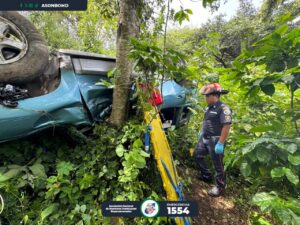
x: 23, y: 51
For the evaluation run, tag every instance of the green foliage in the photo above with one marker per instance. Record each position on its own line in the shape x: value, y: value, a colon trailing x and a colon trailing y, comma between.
x: 269, y: 6
x: 208, y: 2
x: 258, y: 162
x: 47, y: 181
x: 267, y: 151
x: 54, y: 29
x: 256, y: 219
x: 264, y: 95
x: 264, y: 85
x: 182, y: 15
x: 286, y: 210
x: 154, y: 62
x: 92, y: 30
x: 279, y: 52
x: 203, y: 64
x: 183, y: 40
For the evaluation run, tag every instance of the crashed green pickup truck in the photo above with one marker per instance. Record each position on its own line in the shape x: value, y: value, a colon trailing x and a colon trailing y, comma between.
x: 39, y: 92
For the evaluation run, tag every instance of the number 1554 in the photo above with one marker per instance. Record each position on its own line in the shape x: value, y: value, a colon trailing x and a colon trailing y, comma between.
x: 178, y: 210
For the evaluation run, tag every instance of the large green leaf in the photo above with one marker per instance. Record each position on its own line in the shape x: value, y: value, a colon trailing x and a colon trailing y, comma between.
x: 294, y: 205
x: 139, y: 160
x: 263, y: 198
x: 86, y: 181
x: 283, y: 214
x: 283, y: 209
x: 293, y: 178
x: 284, y: 18
x: 292, y: 148
x: 259, y: 141
x: 294, y: 159
x: 293, y: 35
x: 11, y: 173
x: 295, y: 218
x: 137, y: 143
x: 245, y: 169
x: 282, y: 29
x: 120, y: 150
x: 264, y: 155
x: 3, y: 178
x: 268, y: 89
x: 38, y: 170
x: 182, y: 15
x: 64, y: 168
x: 261, y: 128
x: 278, y: 172
x: 48, y: 211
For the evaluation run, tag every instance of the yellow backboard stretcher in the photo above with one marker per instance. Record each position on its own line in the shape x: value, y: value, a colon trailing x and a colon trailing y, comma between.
x: 163, y: 156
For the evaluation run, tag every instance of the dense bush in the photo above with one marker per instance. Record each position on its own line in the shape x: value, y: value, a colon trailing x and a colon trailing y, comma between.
x: 50, y: 179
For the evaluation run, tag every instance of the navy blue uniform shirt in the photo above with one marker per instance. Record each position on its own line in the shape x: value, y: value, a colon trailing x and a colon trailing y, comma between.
x: 215, y: 117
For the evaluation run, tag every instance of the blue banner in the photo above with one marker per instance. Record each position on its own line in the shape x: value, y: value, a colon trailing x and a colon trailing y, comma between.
x: 42, y: 5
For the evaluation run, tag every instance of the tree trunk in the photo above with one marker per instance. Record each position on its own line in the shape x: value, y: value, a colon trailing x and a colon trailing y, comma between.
x: 128, y: 27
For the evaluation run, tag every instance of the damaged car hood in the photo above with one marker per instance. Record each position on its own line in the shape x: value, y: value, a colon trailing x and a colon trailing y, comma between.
x: 76, y: 99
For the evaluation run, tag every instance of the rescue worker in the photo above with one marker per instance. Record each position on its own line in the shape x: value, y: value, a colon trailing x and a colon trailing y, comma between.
x: 212, y: 137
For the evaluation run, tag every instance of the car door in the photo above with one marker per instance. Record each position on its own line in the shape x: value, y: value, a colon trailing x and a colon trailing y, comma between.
x: 90, y: 72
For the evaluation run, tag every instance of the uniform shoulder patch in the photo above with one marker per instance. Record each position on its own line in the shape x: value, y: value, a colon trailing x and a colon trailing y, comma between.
x: 226, y: 110
x: 227, y: 118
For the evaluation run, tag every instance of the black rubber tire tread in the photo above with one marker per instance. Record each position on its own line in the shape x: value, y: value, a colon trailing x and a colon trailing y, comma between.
x: 34, y: 62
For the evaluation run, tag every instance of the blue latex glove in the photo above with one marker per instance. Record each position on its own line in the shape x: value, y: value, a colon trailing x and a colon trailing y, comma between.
x: 219, y: 148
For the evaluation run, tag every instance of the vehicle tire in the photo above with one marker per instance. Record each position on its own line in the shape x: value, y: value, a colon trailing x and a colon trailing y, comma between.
x: 23, y: 51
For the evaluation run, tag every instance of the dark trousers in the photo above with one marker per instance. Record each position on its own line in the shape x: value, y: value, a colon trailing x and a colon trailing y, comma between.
x: 202, y: 149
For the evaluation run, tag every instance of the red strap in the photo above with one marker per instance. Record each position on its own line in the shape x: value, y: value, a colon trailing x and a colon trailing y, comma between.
x: 217, y: 86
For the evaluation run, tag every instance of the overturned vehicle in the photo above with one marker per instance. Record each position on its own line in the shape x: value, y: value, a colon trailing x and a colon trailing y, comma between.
x: 40, y: 91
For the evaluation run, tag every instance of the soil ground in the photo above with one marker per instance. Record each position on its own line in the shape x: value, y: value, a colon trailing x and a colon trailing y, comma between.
x: 232, y: 208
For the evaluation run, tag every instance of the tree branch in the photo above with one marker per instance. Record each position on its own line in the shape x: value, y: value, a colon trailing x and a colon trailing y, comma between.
x: 219, y: 59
